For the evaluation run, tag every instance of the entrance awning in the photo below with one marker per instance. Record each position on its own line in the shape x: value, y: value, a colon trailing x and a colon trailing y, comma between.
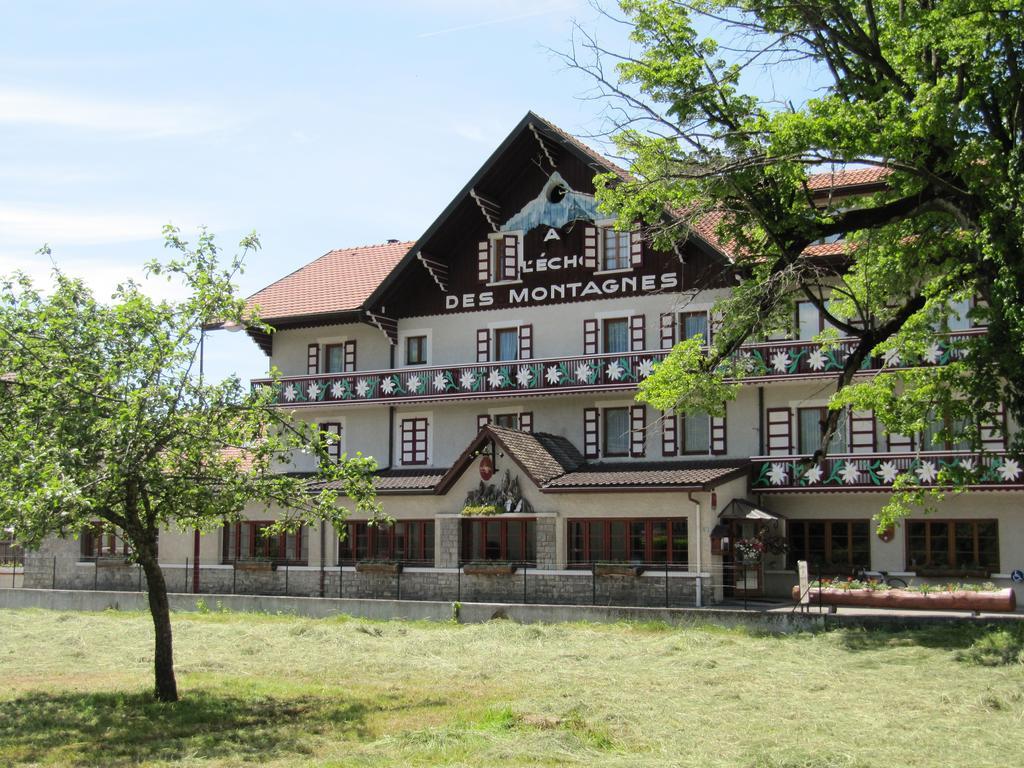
x: 741, y: 509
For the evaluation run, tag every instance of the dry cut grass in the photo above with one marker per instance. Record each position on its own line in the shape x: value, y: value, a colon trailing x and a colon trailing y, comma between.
x: 283, y: 691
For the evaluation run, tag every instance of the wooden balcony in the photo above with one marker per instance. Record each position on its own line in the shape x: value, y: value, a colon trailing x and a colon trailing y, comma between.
x: 772, y: 361
x: 878, y: 471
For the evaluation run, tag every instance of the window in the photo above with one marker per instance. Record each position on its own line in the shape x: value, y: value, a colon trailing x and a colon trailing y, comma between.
x: 415, y: 350
x: 414, y: 440
x: 97, y: 542
x: 407, y: 540
x: 809, y: 424
x: 616, y: 335
x: 335, y: 356
x: 696, y: 432
x: 507, y: 420
x: 506, y: 344
x: 615, y: 253
x: 693, y: 323
x: 508, y: 540
x: 630, y: 540
x: 246, y: 540
x: 333, y: 439
x: 830, y: 545
x: 498, y: 260
x: 808, y: 321
x: 933, y: 439
x: 616, y: 431
x: 953, y: 545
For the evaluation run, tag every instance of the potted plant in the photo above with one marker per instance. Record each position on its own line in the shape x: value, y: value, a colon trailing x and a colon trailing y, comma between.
x: 933, y: 597
x: 489, y: 568
x: 378, y: 566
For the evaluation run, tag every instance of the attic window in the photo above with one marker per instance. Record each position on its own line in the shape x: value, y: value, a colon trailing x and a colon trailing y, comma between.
x: 557, y: 193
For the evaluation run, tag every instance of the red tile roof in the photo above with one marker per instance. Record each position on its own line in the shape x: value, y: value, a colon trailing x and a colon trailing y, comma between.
x: 856, y: 178
x: 339, y: 281
x: 665, y: 475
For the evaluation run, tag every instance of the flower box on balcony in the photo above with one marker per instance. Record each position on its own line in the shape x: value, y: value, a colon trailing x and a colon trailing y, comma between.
x: 255, y: 565
x: 489, y: 569
x: 617, y: 569
x: 378, y: 566
x: 113, y: 561
x: 989, y: 601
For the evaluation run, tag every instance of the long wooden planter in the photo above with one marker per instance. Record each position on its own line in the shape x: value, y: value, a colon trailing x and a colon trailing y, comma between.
x: 1000, y: 601
x: 112, y: 562
x: 485, y: 569
x: 614, y: 569
x: 254, y: 565
x: 369, y: 567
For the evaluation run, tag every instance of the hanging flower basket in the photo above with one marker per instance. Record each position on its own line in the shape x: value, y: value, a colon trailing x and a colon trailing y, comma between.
x: 378, y: 566
x: 489, y: 569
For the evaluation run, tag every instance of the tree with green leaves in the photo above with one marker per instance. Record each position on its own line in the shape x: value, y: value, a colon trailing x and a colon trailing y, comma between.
x: 105, y: 417
x: 930, y: 91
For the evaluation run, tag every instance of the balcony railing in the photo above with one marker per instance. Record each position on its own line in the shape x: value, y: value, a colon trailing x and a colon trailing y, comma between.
x: 763, y: 362
x: 878, y: 471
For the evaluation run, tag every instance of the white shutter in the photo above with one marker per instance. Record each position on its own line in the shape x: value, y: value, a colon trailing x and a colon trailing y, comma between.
x: 637, y: 430
x: 669, y: 432
x: 483, y: 345
x: 993, y: 434
x: 718, y: 442
x: 590, y: 327
x: 482, y: 421
x: 350, y: 356
x: 780, y: 432
x: 483, y: 261
x: 334, y: 447
x: 526, y: 421
x: 862, y: 431
x: 668, y: 330
x: 313, y: 359
x: 525, y: 342
x: 636, y: 248
x: 590, y: 247
x: 590, y: 437
x: 510, y: 257
x: 637, y: 333
x: 899, y: 443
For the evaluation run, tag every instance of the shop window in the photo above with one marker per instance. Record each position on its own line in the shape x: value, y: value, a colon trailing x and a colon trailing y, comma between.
x: 955, y: 546
x: 248, y: 540
x: 629, y: 540
x: 512, y: 540
x: 406, y: 540
x: 831, y: 546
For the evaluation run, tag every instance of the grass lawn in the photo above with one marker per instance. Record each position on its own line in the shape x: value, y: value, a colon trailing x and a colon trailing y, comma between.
x: 283, y: 691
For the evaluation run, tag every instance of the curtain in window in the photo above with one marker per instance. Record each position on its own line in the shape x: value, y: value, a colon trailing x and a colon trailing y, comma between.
x: 508, y: 345
x: 696, y: 432
x: 616, y: 425
x: 694, y: 324
x: 616, y: 336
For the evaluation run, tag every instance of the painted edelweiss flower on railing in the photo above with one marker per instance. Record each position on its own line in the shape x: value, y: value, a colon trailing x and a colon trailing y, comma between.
x: 927, y: 472
x: 289, y: 393
x: 850, y: 473
x: 1009, y: 470
x: 440, y: 382
x: 362, y: 387
x: 388, y: 385
x: 414, y: 384
x: 312, y: 390
x: 817, y: 360
x: 646, y: 367
x: 337, y: 389
x: 891, y: 358
x: 888, y: 471
x: 553, y: 375
x: 781, y: 361
x: 495, y: 379
x: 523, y: 376
x: 813, y: 475
x: 583, y: 373
x: 467, y: 379
x: 614, y: 370
x: 933, y: 354
x: 967, y: 465
x: 778, y: 475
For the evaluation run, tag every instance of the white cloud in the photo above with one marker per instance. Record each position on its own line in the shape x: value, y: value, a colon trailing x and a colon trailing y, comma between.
x: 20, y: 106
x: 35, y: 226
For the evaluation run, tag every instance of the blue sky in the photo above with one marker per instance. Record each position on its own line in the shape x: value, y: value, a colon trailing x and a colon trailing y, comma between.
x: 317, y: 124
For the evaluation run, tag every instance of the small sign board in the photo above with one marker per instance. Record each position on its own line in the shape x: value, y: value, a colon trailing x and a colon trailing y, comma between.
x: 805, y: 584
x: 1017, y: 576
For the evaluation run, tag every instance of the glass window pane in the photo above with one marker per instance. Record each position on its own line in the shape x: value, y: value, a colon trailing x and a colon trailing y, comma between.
x: 597, y: 552
x: 695, y: 323
x: 680, y: 543
x: 428, y: 542
x: 616, y: 431
x: 839, y: 540
x: 807, y: 320
x: 515, y: 540
x: 696, y: 432
x: 839, y: 443
x: 637, y: 541
x: 576, y: 551
x: 507, y: 344
x: 816, y: 543
x: 809, y: 424
x: 616, y: 335
x: 335, y: 358
x: 492, y: 546
x: 988, y: 545
x: 659, y: 541
x: 860, y: 544
x: 507, y: 420
x: 957, y: 320
x: 617, y: 544
x: 531, y: 541
x: 938, y: 546
x: 917, y: 543
x: 399, y: 551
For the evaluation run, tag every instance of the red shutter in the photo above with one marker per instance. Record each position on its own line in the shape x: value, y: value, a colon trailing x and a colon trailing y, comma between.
x: 510, y: 257
x: 862, y: 431
x: 636, y: 248
x: 590, y: 327
x: 668, y: 330
x: 669, y: 427
x: 483, y: 261
x: 526, y: 421
x: 482, y: 421
x: 483, y: 345
x: 993, y: 434
x: 350, y: 356
x: 525, y: 342
x: 718, y: 443
x: 590, y: 247
x: 637, y: 430
x: 590, y: 439
x: 637, y: 333
x: 780, y: 432
x: 333, y: 448
x: 313, y: 359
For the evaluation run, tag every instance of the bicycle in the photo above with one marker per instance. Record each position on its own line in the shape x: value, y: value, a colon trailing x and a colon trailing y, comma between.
x: 880, y: 577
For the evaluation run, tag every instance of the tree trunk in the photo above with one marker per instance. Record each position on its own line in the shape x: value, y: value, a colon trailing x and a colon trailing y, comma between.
x: 163, y: 656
